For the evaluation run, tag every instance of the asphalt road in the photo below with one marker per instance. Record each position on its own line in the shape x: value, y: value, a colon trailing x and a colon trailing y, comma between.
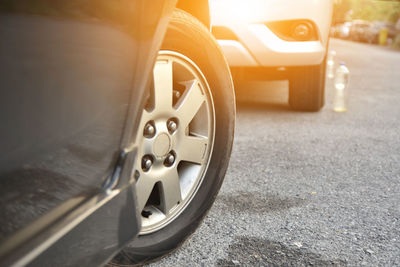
x: 310, y: 188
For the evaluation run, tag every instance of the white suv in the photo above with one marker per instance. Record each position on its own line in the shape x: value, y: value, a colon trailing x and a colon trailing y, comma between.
x: 277, y: 39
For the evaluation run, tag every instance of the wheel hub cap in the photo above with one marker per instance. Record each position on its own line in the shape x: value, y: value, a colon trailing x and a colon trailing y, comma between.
x: 162, y: 145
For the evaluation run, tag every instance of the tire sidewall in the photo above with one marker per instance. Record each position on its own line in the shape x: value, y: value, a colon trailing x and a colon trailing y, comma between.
x: 307, y: 87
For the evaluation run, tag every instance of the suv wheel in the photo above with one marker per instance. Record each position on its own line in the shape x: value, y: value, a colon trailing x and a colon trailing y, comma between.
x: 307, y: 87
x: 185, y: 139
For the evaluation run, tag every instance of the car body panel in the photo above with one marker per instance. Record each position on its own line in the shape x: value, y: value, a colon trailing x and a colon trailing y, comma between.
x: 247, y: 20
x: 73, y: 79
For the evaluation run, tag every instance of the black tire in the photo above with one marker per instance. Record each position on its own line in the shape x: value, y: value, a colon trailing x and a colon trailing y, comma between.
x: 189, y: 37
x: 307, y: 87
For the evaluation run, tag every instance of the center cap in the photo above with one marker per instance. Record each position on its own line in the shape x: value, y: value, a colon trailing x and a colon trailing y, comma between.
x: 162, y: 145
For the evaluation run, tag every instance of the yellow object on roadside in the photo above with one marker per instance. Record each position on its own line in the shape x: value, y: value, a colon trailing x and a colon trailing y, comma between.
x: 383, y: 36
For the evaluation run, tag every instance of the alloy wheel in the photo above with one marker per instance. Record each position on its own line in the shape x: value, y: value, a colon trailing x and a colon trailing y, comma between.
x: 176, y: 137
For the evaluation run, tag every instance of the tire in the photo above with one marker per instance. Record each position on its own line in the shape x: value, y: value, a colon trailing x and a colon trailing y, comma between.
x: 187, y: 39
x: 307, y: 87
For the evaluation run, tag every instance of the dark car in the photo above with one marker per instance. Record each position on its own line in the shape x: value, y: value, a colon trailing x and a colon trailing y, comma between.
x: 361, y: 31
x: 117, y: 126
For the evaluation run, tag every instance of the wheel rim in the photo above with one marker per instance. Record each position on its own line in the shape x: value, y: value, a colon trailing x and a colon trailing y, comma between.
x: 175, y: 140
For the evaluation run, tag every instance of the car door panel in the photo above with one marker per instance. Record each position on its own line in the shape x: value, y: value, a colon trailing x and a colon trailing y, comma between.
x: 73, y: 75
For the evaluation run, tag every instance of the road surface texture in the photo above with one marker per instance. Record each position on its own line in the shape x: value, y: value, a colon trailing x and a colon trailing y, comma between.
x: 308, y: 189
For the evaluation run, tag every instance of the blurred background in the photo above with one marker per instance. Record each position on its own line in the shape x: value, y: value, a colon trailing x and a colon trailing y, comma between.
x: 371, y: 21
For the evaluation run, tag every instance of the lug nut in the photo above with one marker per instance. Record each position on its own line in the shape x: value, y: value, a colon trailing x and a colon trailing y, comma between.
x: 172, y: 126
x: 170, y: 159
x: 177, y: 94
x: 149, y: 130
x: 147, y: 162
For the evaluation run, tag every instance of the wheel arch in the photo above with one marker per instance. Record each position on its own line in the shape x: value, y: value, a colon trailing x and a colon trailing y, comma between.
x: 199, y: 9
